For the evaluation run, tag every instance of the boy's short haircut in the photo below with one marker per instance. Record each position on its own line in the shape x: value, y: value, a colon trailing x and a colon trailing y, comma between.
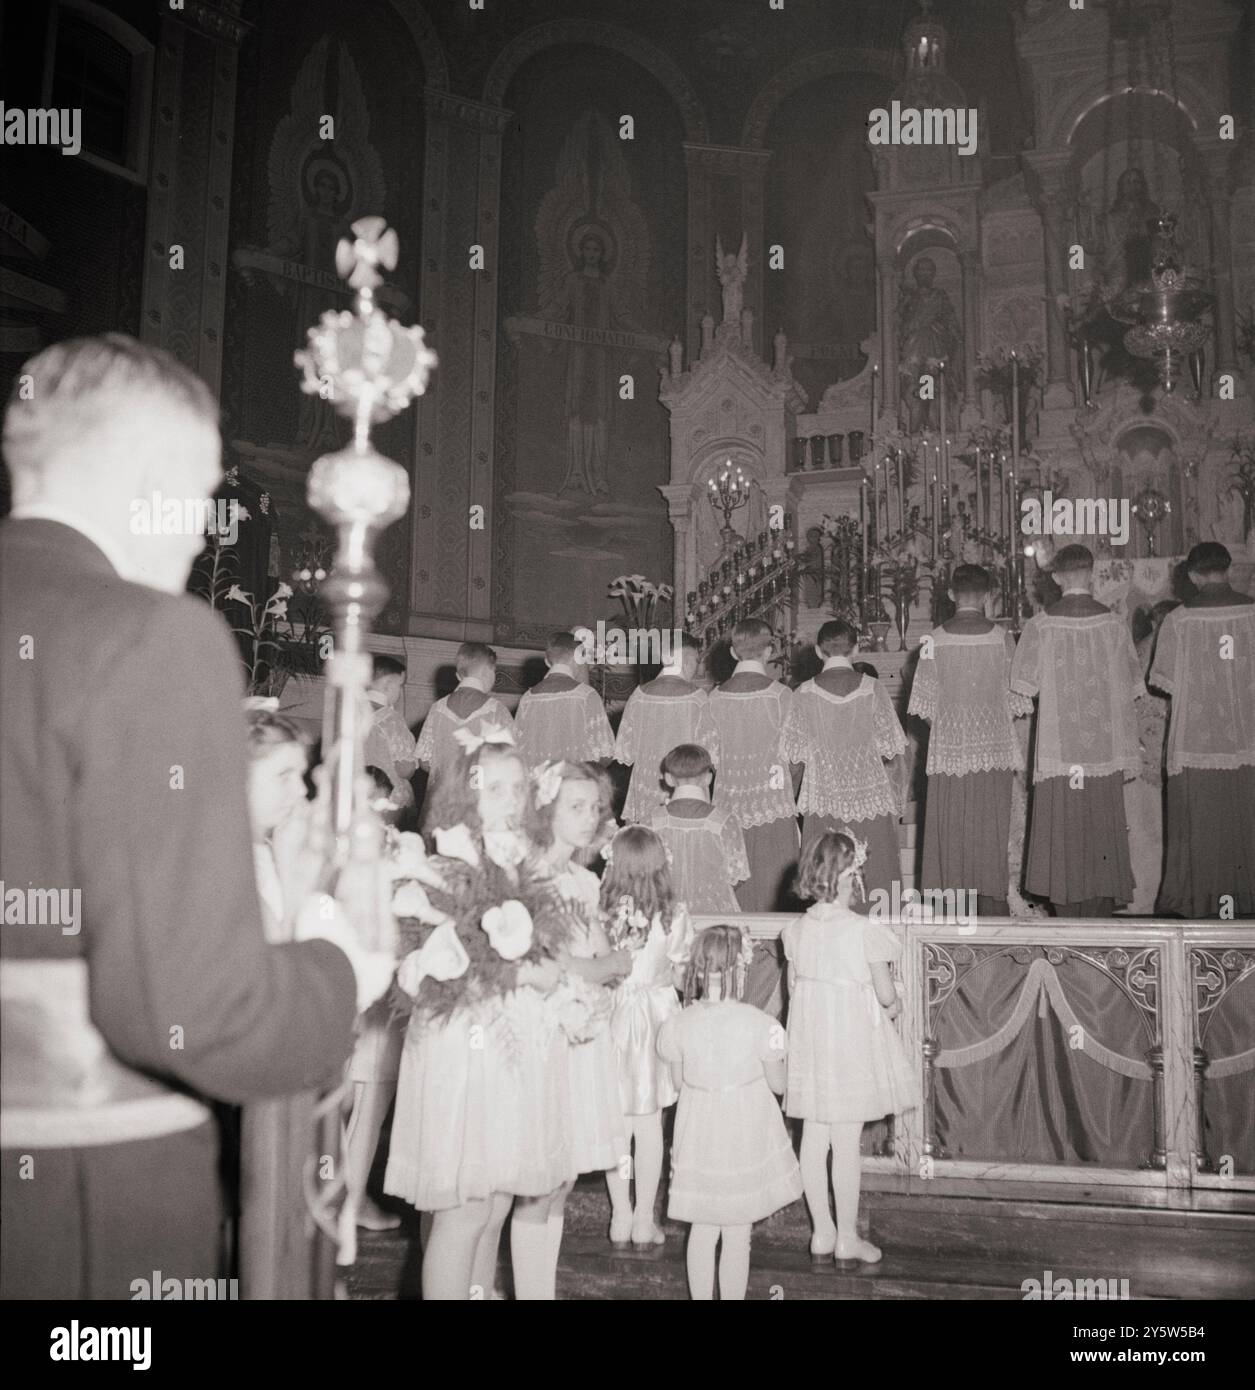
x: 751, y: 637
x: 836, y: 637
x: 689, y: 643
x: 970, y: 579
x: 561, y: 646
x: 865, y: 668
x: 381, y: 664
x: 1073, y: 559
x: 686, y: 761
x: 472, y: 655
x: 1209, y: 557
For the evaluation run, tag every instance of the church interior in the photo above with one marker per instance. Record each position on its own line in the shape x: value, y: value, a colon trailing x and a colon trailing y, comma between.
x: 712, y: 335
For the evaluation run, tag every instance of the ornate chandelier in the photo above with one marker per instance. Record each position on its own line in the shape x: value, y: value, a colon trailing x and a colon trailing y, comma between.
x: 1165, y: 311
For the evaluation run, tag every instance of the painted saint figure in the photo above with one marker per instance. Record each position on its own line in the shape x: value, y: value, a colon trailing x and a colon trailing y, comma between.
x: 928, y: 334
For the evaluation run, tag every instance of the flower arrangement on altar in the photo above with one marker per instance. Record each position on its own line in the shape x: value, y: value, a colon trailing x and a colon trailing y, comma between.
x: 640, y: 598
x: 993, y: 369
x: 472, y: 918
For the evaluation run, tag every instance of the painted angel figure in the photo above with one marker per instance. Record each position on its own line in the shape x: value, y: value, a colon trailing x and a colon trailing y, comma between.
x: 732, y: 271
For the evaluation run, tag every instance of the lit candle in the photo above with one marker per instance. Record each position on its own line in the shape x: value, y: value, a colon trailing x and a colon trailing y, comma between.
x: 901, y: 495
x: 871, y: 434
x: 941, y: 387
x: 980, y: 489
x: 1015, y: 408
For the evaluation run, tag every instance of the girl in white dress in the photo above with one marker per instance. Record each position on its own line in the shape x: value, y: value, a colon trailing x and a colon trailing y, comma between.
x: 571, y: 801
x: 731, y: 1160
x: 643, y: 917
x: 483, y: 1107
x: 846, y: 1062
x: 279, y: 813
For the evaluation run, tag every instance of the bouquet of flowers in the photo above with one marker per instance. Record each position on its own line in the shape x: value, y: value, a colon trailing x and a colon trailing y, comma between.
x: 472, y: 917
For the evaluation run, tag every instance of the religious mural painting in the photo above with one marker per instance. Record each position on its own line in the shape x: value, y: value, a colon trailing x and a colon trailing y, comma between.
x: 590, y: 235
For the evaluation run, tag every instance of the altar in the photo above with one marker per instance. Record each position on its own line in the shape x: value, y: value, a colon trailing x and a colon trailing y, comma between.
x: 992, y: 381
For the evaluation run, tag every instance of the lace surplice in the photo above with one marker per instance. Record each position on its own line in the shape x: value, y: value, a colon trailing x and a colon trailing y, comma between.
x: 1205, y: 659
x: 436, y: 747
x: 708, y: 857
x: 652, y: 725
x: 1086, y: 675
x: 747, y: 728
x: 842, y: 739
x: 563, y: 724
x: 963, y: 690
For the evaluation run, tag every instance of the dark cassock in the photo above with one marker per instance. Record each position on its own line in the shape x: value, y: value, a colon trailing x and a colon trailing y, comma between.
x: 1079, y: 660
x: 1205, y: 660
x: 135, y: 978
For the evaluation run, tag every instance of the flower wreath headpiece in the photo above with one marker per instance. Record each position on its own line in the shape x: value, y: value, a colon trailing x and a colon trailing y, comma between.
x: 856, y: 868
x: 471, y: 742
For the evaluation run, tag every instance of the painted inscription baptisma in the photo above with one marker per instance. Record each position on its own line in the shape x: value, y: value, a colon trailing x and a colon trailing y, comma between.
x: 593, y: 209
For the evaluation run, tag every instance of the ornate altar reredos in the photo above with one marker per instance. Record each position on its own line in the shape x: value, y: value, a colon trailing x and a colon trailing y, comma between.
x: 975, y: 260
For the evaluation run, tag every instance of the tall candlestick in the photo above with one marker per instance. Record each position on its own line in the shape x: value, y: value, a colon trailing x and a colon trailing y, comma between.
x: 936, y: 499
x: 941, y: 386
x: 980, y: 490
x: 862, y: 530
x: 1015, y: 408
x: 901, y: 494
x: 871, y: 433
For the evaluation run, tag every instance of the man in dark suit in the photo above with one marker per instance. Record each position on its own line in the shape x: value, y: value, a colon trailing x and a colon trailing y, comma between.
x: 133, y: 971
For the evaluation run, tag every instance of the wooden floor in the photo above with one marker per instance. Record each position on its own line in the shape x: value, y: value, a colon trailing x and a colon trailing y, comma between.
x: 942, y: 1240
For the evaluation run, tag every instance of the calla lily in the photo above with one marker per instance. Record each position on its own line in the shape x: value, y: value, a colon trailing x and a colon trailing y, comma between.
x: 456, y: 843
x: 442, y: 956
x: 409, y: 900
x: 509, y: 929
x: 237, y: 595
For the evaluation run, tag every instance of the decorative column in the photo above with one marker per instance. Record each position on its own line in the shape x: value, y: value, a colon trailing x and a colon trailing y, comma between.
x: 680, y: 514
x: 189, y: 191
x: 970, y: 268
x: 705, y: 164
x: 451, y: 545
x: 1047, y: 174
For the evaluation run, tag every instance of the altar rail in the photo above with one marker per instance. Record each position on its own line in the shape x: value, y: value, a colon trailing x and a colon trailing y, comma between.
x: 1126, y: 1049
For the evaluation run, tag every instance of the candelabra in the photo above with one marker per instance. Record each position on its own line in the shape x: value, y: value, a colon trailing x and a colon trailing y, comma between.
x: 751, y: 579
x: 730, y: 494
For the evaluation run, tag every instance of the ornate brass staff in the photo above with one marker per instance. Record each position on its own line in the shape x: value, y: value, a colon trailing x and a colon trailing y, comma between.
x: 370, y: 368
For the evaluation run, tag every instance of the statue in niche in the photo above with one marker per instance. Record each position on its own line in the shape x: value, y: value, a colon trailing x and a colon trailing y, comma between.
x: 928, y: 333
x: 732, y: 271
x: 1126, y: 256
x: 593, y: 249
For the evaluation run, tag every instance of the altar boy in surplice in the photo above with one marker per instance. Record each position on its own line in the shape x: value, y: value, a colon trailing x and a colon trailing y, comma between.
x: 659, y: 716
x: 1205, y: 660
x: 562, y: 719
x: 744, y: 718
x: 1078, y: 658
x: 962, y: 688
x: 842, y: 725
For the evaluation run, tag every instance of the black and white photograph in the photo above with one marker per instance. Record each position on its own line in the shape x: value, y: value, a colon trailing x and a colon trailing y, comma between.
x: 627, y: 666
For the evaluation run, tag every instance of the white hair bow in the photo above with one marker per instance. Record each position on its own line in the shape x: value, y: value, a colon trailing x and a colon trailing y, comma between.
x: 860, y: 858
x: 472, y: 742
x: 548, y: 779
x: 267, y: 703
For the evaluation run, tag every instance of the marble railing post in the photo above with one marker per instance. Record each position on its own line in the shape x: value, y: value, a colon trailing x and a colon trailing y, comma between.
x: 679, y: 497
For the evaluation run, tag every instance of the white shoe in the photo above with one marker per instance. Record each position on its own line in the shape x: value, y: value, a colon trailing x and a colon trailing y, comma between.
x: 856, y: 1252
